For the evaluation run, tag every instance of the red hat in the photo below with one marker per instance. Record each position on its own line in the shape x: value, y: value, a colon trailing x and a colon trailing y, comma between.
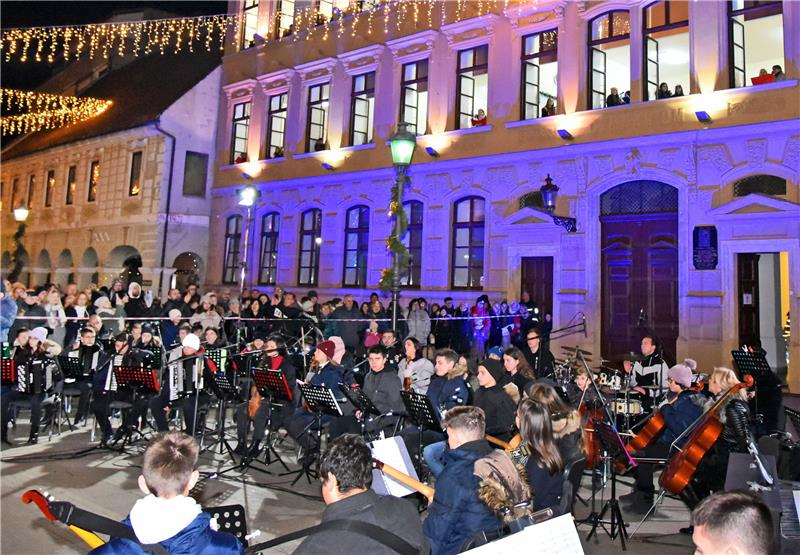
x: 327, y: 347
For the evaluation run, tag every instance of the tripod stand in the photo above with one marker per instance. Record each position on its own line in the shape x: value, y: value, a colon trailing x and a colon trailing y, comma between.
x: 420, y: 408
x: 225, y: 392
x: 140, y: 380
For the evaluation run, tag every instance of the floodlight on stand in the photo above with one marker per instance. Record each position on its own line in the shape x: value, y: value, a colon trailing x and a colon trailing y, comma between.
x: 431, y: 152
x: 248, y: 195
x: 402, y: 144
x: 549, y: 192
x: 21, y: 213
x: 327, y: 166
x: 564, y: 134
x: 703, y: 116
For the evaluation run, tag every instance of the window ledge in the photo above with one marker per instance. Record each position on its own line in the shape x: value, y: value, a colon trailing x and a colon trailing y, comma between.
x: 365, y: 146
x: 233, y: 166
x: 304, y: 155
x: 526, y: 122
x: 269, y: 161
x: 468, y: 131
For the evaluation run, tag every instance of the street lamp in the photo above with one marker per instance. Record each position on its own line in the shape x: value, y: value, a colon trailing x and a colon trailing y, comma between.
x: 21, y: 213
x: 402, y: 144
x: 549, y: 193
x: 247, y: 197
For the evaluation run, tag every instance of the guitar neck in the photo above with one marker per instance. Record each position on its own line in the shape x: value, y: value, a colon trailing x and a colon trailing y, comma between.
x: 405, y: 479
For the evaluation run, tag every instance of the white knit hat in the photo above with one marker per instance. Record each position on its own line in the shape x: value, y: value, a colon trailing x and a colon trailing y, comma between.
x: 191, y: 341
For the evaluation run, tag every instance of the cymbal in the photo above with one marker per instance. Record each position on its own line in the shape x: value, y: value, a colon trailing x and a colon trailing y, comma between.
x: 631, y: 357
x: 575, y: 350
x: 651, y: 387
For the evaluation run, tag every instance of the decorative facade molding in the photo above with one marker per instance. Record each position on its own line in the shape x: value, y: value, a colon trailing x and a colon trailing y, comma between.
x: 413, y: 47
x: 362, y: 60
x: 240, y: 89
x: 316, y: 72
x: 277, y: 82
x: 470, y: 32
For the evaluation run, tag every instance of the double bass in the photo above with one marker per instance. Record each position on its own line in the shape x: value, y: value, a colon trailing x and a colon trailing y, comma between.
x: 705, y: 431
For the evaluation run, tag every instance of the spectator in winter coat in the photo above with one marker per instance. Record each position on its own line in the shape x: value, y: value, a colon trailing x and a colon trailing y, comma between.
x: 347, y: 330
x: 8, y: 312
x: 207, y: 316
x: 419, y: 323
x: 415, y: 366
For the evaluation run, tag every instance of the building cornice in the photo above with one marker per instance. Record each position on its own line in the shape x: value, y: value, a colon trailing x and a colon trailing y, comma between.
x: 470, y: 32
x: 318, y: 71
x: 413, y: 47
x: 362, y: 60
x: 239, y: 89
x: 276, y: 82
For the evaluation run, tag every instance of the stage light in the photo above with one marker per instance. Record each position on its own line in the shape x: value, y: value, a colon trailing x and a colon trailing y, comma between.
x: 327, y: 166
x: 564, y: 134
x: 703, y: 116
x: 431, y: 152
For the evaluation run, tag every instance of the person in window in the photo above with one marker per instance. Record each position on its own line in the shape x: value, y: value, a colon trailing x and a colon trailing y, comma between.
x: 240, y: 159
x: 613, y: 98
x: 777, y: 73
x: 319, y: 145
x: 678, y: 91
x: 626, y: 98
x: 479, y: 119
x: 549, y: 108
x: 663, y: 91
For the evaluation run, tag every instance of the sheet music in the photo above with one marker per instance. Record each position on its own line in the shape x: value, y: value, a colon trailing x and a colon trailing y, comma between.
x: 796, y: 494
x: 390, y: 451
x: 557, y: 536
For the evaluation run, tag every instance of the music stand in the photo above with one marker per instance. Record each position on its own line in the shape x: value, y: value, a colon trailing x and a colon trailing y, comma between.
x: 140, y: 380
x: 757, y: 366
x: 215, y: 355
x: 71, y: 368
x: 361, y: 402
x: 8, y: 371
x: 320, y: 402
x: 422, y: 413
x: 225, y: 392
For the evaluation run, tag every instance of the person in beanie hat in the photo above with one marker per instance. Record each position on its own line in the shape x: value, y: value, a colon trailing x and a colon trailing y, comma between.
x: 499, y: 407
x: 327, y: 373
x: 682, y: 408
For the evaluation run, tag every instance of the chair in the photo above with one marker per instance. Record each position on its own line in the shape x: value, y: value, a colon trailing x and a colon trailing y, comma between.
x: 573, y: 473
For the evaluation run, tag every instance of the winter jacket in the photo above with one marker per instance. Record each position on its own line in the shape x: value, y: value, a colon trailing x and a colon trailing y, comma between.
x: 392, y: 514
x: 197, y: 538
x: 348, y: 331
x: 680, y: 414
x: 419, y: 325
x: 420, y: 371
x: 568, y: 434
x: 546, y: 487
x: 446, y: 392
x: 500, y: 411
x: 383, y: 389
x: 542, y: 362
x: 210, y: 319
x: 8, y: 313
x: 457, y: 513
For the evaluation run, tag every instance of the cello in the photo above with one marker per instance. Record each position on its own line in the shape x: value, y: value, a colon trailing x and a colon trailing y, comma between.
x: 705, y: 431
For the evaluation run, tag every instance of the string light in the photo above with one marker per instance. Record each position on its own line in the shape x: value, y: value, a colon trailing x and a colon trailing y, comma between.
x: 46, y: 111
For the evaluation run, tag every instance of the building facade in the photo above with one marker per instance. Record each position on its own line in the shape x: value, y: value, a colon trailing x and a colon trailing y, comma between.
x: 132, y: 182
x: 687, y: 209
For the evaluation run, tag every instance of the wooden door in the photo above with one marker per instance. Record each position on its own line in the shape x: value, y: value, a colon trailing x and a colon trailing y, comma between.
x: 537, y: 280
x: 639, y: 282
x: 747, y: 273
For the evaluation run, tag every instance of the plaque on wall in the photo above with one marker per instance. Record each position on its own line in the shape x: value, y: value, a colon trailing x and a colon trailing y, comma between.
x: 705, y: 247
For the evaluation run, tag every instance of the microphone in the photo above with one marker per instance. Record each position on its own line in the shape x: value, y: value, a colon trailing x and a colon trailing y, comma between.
x: 585, y: 333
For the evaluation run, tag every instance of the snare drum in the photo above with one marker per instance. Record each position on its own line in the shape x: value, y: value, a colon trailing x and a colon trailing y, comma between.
x: 631, y: 406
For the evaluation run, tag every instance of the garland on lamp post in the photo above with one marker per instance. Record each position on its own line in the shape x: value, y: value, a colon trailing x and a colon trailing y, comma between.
x: 394, y: 243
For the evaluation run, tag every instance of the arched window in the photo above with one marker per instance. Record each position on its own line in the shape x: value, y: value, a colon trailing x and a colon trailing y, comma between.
x: 270, y: 226
x: 410, y: 276
x: 755, y: 39
x: 666, y: 48
x: 233, y: 237
x: 468, y: 238
x: 610, y: 58
x: 310, y: 240
x: 760, y: 184
x: 356, y: 247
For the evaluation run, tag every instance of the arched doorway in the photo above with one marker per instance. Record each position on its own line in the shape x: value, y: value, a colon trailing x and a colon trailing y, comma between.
x: 42, y: 272
x: 64, y: 272
x: 88, y: 270
x: 125, y: 261
x: 188, y: 270
x: 639, y: 247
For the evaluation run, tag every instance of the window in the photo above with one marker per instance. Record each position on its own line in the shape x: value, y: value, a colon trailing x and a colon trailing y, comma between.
x: 249, y: 23
x: 539, y: 72
x: 473, y: 84
x: 468, y: 238
x: 362, y: 108
x: 760, y: 184
x: 317, y: 127
x: 356, y: 247
x: 414, y: 96
x: 666, y: 48
x: 31, y: 191
x: 330, y: 9
x: 276, y: 125
x: 241, y: 124
x: 610, y: 59
x: 270, y: 226
x: 195, y: 173
x: 410, y: 277
x: 13, y: 204
x: 233, y: 236
x: 284, y: 16
x: 755, y: 37
x: 134, y: 183
x: 310, y: 240
x: 94, y: 179
x: 71, y: 184
x: 49, y: 188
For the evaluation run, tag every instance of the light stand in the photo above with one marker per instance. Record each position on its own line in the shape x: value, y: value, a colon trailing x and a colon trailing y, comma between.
x: 247, y: 198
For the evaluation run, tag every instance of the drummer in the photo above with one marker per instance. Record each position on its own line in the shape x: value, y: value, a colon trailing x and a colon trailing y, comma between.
x: 648, y: 376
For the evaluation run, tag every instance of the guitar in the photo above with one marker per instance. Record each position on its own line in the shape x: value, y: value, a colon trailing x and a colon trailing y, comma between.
x: 405, y: 479
x: 47, y: 504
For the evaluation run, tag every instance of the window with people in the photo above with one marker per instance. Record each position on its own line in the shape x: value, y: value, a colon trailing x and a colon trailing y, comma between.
x: 276, y: 124
x: 755, y: 35
x: 472, y: 87
x: 609, y: 60
x: 666, y: 49
x: 317, y: 123
x: 249, y: 23
x: 239, y: 130
x: 539, y: 74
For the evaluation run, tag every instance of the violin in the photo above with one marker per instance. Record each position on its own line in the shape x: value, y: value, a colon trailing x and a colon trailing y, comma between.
x: 590, y: 442
x: 706, y: 430
x: 405, y: 479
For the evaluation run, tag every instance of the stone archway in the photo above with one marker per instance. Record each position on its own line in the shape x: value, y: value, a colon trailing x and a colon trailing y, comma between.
x: 64, y: 269
x: 125, y: 261
x: 639, y: 267
x: 43, y: 270
x: 88, y: 271
x: 189, y: 269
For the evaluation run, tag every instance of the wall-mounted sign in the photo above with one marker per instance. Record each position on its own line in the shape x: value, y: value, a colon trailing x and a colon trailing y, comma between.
x: 705, y: 247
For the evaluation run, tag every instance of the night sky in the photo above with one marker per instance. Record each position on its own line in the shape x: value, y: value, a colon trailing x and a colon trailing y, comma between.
x: 46, y: 13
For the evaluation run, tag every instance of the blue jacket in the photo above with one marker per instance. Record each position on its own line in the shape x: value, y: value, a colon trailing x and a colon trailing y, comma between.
x: 456, y: 512
x: 196, y: 539
x: 446, y: 393
x: 8, y: 313
x: 679, y: 415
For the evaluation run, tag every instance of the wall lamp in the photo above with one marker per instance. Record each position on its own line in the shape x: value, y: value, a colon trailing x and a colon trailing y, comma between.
x: 564, y: 134
x: 327, y: 166
x: 549, y: 193
x: 431, y: 152
x: 703, y: 116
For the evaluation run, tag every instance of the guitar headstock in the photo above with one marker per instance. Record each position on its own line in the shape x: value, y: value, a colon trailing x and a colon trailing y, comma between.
x: 42, y: 500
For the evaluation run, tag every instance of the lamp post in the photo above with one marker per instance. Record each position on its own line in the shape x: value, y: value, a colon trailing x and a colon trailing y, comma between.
x: 247, y: 198
x: 21, y: 214
x: 402, y: 145
x: 549, y: 193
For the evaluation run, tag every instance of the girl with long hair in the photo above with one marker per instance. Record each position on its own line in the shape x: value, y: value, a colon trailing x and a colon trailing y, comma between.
x: 566, y: 421
x: 545, y: 467
x: 518, y: 368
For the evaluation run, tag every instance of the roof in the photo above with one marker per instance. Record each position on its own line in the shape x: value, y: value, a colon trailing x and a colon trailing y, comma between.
x: 141, y: 91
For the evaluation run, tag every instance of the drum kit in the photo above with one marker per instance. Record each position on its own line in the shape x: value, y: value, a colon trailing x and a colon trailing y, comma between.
x: 627, y: 405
